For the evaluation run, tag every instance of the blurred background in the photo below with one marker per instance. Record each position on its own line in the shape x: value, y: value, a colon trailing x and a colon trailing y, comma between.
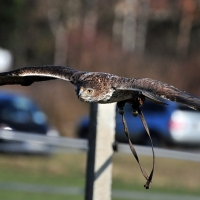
x: 159, y: 39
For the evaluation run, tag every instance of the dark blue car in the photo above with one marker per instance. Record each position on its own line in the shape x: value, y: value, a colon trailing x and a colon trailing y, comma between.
x: 157, y: 118
x: 160, y: 119
x: 20, y: 113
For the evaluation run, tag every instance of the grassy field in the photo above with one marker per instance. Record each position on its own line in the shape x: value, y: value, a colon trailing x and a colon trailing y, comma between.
x: 171, y: 176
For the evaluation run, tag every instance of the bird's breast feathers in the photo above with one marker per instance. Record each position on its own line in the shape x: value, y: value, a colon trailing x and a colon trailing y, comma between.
x: 113, y: 95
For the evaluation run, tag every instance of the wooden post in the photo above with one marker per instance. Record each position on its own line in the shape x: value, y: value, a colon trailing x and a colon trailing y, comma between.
x: 99, y: 161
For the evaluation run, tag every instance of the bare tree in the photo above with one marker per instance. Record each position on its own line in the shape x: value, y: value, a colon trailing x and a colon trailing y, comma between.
x: 89, y: 19
x: 130, y: 24
x: 187, y: 15
x: 142, y: 22
x: 63, y: 16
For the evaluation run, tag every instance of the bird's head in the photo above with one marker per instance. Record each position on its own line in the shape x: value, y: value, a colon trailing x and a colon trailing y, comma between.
x: 87, y: 94
x: 94, y: 87
x: 92, y: 94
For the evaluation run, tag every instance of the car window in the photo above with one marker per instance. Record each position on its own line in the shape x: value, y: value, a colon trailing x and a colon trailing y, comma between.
x: 148, y: 107
x: 15, y: 114
x: 184, y: 108
x: 22, y: 114
x: 23, y: 104
x: 18, y: 110
x: 153, y: 107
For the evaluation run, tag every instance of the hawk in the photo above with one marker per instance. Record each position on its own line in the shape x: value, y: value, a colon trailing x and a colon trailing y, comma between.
x: 102, y: 87
x: 105, y: 88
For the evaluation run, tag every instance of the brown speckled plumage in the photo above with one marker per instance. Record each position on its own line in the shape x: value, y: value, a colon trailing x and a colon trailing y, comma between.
x: 104, y: 87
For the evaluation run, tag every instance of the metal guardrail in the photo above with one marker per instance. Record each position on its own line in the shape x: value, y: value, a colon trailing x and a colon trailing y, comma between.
x: 35, y: 143
x: 161, y: 152
x: 81, y: 144
x: 65, y: 144
x: 10, y: 135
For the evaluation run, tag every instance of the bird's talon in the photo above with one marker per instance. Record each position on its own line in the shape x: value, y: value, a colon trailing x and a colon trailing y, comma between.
x: 121, y: 111
x: 135, y: 113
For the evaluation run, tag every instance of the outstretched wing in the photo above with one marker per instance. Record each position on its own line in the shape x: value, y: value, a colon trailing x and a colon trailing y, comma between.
x: 157, y: 90
x: 28, y: 75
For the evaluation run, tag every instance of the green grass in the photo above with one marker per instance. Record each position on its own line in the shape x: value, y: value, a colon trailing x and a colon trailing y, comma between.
x: 171, y: 176
x: 8, y: 195
x: 59, y: 170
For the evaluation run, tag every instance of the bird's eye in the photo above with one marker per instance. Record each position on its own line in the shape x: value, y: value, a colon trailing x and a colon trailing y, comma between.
x: 89, y: 91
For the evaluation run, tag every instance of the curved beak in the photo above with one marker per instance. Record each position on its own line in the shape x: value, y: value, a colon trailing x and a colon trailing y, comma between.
x: 79, y: 92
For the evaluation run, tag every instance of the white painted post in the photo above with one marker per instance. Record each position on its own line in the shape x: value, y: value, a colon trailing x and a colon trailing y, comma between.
x: 99, y: 163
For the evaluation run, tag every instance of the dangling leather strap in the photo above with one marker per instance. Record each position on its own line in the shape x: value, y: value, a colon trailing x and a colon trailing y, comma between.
x: 148, y: 178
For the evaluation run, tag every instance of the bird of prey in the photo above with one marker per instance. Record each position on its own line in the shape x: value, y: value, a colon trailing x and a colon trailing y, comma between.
x: 101, y: 87
x: 105, y: 88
